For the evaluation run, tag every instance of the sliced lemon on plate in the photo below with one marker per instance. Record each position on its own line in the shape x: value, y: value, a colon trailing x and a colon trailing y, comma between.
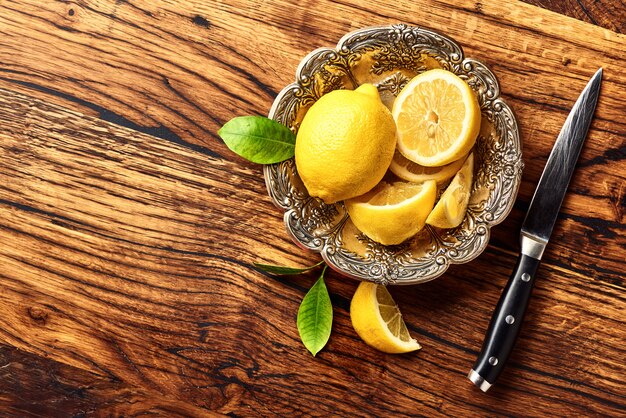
x: 390, y: 213
x: 410, y: 171
x: 437, y: 118
x: 452, y: 205
x: 378, y: 321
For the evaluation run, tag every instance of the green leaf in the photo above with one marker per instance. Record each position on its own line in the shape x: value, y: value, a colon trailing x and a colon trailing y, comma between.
x: 285, y: 270
x: 258, y: 139
x: 315, y: 316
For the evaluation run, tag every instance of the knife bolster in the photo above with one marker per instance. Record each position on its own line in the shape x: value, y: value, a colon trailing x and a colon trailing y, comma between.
x: 532, y: 246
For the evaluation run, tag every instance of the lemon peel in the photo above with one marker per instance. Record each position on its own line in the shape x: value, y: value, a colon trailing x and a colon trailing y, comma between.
x: 345, y: 144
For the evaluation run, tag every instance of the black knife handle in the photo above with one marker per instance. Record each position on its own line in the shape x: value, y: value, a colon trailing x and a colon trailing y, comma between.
x: 505, y: 324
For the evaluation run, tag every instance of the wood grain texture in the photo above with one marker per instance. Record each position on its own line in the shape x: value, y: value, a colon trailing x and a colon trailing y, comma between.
x: 35, y: 387
x: 126, y: 254
x: 608, y: 14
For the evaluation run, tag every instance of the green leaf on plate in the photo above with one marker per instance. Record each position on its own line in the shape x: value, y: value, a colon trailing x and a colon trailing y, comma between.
x: 315, y: 316
x: 258, y: 139
x: 285, y: 270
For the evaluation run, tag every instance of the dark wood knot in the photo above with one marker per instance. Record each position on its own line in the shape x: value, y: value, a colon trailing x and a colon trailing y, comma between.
x: 38, y: 314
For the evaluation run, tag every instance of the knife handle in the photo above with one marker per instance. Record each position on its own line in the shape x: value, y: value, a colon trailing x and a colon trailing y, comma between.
x: 505, y: 324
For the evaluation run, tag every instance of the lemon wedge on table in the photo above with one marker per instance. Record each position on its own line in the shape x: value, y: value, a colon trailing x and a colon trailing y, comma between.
x: 410, y: 171
x: 392, y: 212
x: 345, y: 144
x: 437, y: 118
x: 452, y: 205
x: 378, y: 321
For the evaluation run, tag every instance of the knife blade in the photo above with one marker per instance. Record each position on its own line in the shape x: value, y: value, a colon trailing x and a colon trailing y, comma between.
x: 542, y: 213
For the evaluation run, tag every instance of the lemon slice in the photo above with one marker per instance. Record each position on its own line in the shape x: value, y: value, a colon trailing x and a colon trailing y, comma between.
x: 437, y: 118
x: 390, y: 213
x: 410, y: 171
x: 450, y: 210
x: 378, y: 321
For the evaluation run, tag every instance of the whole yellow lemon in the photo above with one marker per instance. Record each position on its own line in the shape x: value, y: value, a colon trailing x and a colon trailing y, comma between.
x: 345, y: 144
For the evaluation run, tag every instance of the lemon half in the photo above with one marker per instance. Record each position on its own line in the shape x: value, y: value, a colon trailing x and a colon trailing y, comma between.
x: 437, y: 118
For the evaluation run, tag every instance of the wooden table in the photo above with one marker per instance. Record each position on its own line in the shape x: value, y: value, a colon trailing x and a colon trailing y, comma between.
x: 128, y: 229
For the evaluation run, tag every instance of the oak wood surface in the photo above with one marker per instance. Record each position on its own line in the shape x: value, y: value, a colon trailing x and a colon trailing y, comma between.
x: 606, y: 13
x: 128, y: 229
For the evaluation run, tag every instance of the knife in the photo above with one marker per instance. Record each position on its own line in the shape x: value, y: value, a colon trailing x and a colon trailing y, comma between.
x: 535, y: 233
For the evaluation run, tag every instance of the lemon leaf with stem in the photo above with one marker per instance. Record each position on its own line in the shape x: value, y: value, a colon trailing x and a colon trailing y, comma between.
x: 285, y: 271
x: 258, y: 139
x: 315, y: 316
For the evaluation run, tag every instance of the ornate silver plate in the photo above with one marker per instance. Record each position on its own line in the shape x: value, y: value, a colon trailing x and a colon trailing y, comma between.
x: 389, y: 57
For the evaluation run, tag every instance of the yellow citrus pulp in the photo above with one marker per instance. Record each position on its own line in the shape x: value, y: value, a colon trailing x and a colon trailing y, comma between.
x: 393, y: 212
x: 452, y: 205
x: 437, y: 118
x: 410, y: 171
x: 378, y: 321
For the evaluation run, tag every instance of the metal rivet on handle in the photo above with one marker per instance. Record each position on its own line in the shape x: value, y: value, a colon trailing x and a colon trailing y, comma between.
x: 509, y: 319
x: 493, y: 361
x: 525, y: 277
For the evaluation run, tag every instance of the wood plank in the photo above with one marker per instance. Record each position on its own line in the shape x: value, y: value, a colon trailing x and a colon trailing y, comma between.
x: 33, y: 386
x: 605, y: 13
x: 124, y: 258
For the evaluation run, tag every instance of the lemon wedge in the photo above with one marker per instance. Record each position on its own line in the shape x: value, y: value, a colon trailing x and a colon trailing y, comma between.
x: 410, y: 171
x: 452, y: 205
x: 390, y: 213
x: 378, y: 321
x: 437, y: 118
